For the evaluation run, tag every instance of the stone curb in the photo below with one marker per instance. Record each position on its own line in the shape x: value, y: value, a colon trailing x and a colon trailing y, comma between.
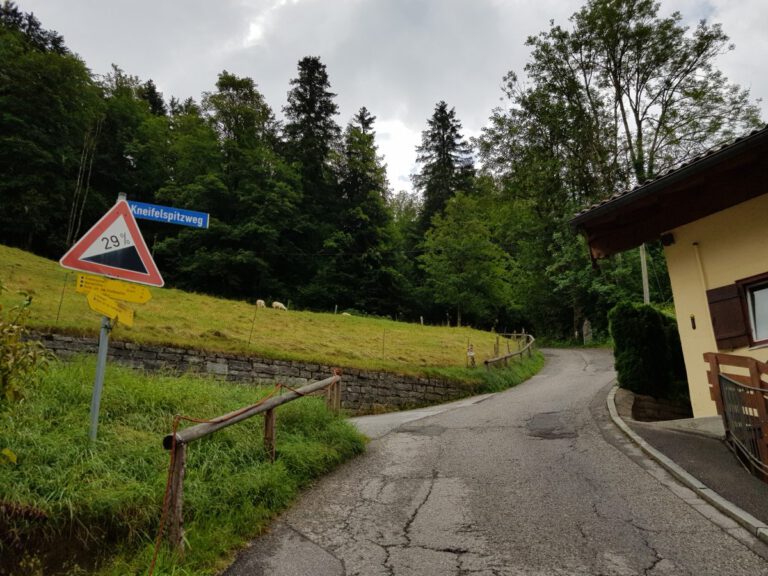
x: 756, y: 527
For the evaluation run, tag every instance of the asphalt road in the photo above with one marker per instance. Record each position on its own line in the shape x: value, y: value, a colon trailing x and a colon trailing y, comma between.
x: 533, y: 481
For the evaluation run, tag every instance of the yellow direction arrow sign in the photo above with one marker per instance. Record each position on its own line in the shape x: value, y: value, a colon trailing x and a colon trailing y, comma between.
x: 103, y: 304
x: 113, y: 288
x: 85, y: 283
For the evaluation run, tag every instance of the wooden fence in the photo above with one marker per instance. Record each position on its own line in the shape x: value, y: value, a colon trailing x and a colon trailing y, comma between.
x: 178, y: 440
x: 528, y: 345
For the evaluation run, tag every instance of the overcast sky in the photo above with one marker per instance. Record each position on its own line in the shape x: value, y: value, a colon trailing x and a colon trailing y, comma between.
x: 396, y: 57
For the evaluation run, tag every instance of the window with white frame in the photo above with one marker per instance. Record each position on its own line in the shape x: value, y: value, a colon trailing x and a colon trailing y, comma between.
x: 757, y: 303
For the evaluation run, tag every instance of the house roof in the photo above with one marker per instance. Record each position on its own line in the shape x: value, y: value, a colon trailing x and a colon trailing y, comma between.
x: 717, y: 179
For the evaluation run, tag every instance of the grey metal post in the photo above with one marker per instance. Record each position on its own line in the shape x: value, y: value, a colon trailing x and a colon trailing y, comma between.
x: 98, y: 385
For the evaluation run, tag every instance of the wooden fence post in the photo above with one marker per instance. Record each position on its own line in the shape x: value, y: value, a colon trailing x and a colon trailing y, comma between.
x: 338, y: 396
x: 269, y: 434
x: 759, y: 406
x: 176, y: 516
x: 329, y: 397
x: 714, y: 384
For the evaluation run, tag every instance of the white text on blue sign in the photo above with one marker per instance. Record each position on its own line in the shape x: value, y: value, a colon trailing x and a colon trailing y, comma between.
x: 169, y: 215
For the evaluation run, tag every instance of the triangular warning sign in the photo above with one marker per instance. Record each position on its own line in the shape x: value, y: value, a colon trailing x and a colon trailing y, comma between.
x: 114, y: 247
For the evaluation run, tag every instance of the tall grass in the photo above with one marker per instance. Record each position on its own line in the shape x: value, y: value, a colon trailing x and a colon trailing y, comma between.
x: 68, y: 505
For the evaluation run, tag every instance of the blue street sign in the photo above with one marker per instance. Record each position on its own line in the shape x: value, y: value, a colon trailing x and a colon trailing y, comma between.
x: 169, y: 215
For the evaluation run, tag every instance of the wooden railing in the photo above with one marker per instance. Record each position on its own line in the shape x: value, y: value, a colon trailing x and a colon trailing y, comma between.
x: 178, y: 440
x: 528, y: 343
x: 737, y: 385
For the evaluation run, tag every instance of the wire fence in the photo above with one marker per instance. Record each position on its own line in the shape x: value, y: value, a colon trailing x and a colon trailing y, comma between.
x: 743, y: 422
x: 737, y: 386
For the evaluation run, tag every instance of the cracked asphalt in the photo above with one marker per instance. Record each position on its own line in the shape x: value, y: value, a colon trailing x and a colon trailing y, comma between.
x: 532, y: 481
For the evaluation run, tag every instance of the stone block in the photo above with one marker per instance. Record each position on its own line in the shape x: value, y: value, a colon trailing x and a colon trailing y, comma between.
x: 240, y: 365
x: 172, y: 350
x: 216, y: 368
x: 265, y: 369
x: 144, y: 355
x: 62, y: 338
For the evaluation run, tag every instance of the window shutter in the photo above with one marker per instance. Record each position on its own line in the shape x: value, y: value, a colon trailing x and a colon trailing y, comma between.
x: 729, y: 321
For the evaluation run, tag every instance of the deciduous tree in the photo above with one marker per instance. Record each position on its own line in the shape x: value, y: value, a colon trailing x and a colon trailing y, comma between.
x: 465, y: 269
x: 618, y: 97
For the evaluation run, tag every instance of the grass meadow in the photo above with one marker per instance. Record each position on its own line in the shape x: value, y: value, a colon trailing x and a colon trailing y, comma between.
x: 195, y: 320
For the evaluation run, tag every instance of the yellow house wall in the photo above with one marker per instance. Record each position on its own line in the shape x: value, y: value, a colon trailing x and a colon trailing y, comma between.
x: 731, y: 245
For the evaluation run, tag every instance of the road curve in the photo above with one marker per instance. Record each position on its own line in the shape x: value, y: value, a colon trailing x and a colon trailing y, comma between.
x: 532, y: 481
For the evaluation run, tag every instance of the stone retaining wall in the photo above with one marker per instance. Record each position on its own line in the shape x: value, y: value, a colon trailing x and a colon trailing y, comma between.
x: 361, y: 391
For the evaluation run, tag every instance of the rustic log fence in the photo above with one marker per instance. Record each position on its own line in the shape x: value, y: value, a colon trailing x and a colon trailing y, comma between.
x: 741, y: 397
x: 528, y: 346
x: 177, y: 441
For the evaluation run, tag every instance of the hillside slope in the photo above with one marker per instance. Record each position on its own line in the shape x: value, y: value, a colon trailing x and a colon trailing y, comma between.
x: 186, y: 319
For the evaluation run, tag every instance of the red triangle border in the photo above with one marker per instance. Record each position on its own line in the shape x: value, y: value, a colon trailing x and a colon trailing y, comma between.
x: 72, y: 259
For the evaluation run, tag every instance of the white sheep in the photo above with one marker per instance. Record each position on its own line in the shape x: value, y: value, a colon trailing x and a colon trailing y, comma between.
x: 346, y: 314
x: 278, y: 305
x: 260, y: 304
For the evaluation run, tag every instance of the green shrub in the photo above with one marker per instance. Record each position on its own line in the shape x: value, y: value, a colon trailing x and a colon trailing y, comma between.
x: 20, y: 358
x: 647, y: 351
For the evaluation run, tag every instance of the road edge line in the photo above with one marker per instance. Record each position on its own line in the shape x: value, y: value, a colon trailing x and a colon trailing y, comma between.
x: 742, y: 517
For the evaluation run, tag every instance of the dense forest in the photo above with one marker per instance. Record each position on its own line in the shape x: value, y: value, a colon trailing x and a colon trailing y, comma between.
x: 301, y: 210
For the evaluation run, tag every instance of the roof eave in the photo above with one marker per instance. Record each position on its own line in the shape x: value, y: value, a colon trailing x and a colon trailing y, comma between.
x: 578, y: 222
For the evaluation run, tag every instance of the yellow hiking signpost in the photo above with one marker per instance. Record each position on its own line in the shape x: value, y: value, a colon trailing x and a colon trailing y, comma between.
x: 102, y: 303
x: 134, y: 293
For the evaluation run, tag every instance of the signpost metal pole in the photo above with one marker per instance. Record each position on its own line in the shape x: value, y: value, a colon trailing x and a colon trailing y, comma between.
x: 101, y: 366
x: 98, y: 385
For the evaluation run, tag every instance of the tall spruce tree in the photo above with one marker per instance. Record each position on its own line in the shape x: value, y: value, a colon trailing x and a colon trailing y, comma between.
x: 446, y: 162
x: 312, y: 140
x: 360, y: 268
x: 148, y: 92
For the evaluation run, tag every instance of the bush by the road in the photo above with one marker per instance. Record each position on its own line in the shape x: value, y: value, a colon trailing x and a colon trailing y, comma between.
x: 647, y: 351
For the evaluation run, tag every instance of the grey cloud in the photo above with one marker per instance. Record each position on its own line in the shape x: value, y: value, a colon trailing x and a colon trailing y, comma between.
x: 396, y: 57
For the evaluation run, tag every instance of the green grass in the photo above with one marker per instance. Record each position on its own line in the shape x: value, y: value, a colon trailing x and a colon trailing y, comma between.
x: 483, y: 381
x: 184, y: 319
x: 66, y: 494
